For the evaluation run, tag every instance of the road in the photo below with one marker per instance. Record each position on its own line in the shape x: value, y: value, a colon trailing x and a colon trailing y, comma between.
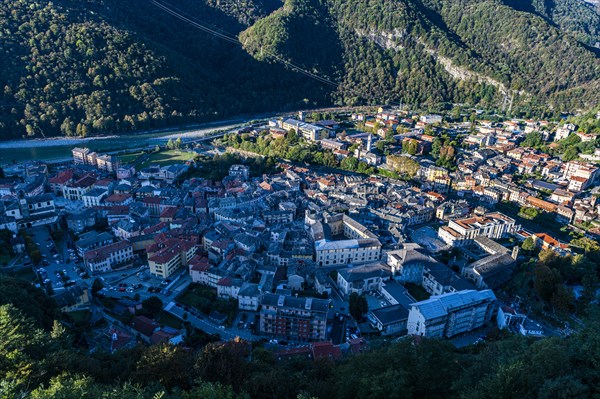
x: 339, y: 303
x: 208, y: 326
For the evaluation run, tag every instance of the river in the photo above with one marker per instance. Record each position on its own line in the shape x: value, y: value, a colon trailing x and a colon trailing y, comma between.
x: 54, y: 149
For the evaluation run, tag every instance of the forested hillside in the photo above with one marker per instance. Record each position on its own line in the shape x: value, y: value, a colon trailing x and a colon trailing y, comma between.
x: 576, y: 16
x: 105, y: 66
x: 111, y: 66
x: 43, y: 360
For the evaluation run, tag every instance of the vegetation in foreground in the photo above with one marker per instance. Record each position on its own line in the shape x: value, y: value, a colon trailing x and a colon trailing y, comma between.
x: 39, y: 358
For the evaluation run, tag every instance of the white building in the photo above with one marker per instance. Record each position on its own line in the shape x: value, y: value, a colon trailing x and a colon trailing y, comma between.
x: 360, y: 246
x: 362, y: 279
x: 460, y: 232
x: 104, y: 258
x: 241, y: 172
x: 451, y: 314
x: 94, y: 197
x: 431, y: 119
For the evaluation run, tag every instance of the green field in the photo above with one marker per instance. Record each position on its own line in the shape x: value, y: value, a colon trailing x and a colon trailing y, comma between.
x: 168, y: 157
x: 80, y: 316
x: 128, y: 158
x: 167, y: 319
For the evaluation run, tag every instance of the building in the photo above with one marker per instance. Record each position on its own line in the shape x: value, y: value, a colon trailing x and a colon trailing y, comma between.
x: 359, y: 246
x: 564, y: 131
x: 29, y: 212
x: 105, y: 258
x: 76, y: 190
x: 294, y: 319
x: 80, y: 155
x: 362, y: 279
x: 106, y: 163
x: 165, y: 257
x: 491, y: 271
x: 241, y: 172
x: 389, y: 320
x: 461, y: 232
x: 333, y: 144
x: 447, y: 315
x: 72, y: 298
x: 78, y: 222
x: 308, y: 131
x: 429, y: 119
x: 91, y: 240
x: 94, y: 197
x: 249, y: 297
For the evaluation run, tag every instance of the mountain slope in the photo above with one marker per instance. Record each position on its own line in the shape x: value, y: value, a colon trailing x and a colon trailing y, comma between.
x: 577, y: 17
x: 104, y: 66
x: 427, y: 51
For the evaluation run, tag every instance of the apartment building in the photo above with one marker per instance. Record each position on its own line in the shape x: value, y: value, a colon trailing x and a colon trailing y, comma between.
x: 580, y: 175
x: 103, y: 259
x: 107, y: 163
x: 447, y: 315
x: 362, y: 279
x: 294, y: 319
x: 94, y: 197
x: 241, y: 172
x: 358, y: 246
x: 80, y: 155
x: 85, y: 156
x: 165, y: 257
x: 308, y: 131
x: 76, y: 190
x: 460, y: 232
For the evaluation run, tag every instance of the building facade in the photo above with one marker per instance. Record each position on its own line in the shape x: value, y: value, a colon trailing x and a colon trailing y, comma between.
x: 294, y: 319
x: 447, y: 315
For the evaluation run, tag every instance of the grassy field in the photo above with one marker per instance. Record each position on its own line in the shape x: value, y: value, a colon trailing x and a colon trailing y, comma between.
x: 417, y: 292
x: 168, y: 157
x: 167, y: 319
x: 128, y: 158
x: 198, y: 296
x: 80, y: 316
x: 205, y: 299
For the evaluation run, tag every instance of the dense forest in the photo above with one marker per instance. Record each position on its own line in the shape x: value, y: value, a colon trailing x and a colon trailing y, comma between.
x: 103, y: 66
x: 40, y: 358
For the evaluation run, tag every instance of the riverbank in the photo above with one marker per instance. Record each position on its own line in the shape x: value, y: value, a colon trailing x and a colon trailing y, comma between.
x: 188, y: 131
x: 57, y: 149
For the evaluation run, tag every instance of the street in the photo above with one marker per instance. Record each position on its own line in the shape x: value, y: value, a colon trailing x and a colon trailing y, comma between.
x: 197, y: 320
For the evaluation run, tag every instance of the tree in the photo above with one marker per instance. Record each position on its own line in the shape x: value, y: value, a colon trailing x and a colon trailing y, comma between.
x: 546, y: 282
x: 170, y: 144
x: 409, y: 147
x: 528, y: 244
x: 97, y: 286
x: 405, y: 166
x: 357, y: 306
x: 533, y: 139
x: 570, y: 154
x: 22, y: 347
x: 178, y: 143
x: 349, y: 163
x: 169, y: 365
x: 153, y: 306
x: 436, y: 147
x: 529, y: 212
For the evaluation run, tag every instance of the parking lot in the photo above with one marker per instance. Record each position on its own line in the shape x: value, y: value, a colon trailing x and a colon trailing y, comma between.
x: 427, y: 237
x: 133, y: 282
x: 60, y: 267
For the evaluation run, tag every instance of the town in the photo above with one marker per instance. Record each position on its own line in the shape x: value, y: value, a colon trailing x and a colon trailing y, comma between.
x: 317, y: 234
